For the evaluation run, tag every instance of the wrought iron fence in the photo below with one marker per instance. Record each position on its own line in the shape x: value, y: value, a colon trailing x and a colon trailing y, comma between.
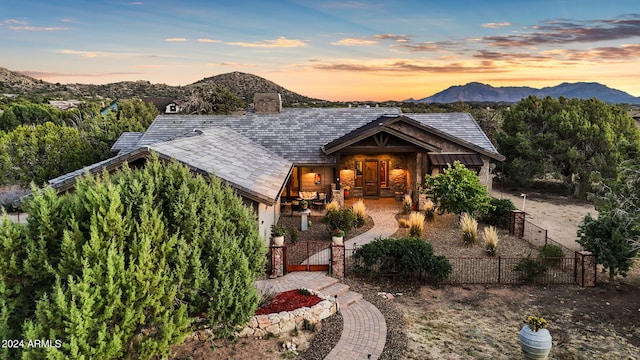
x: 512, y: 270
x: 494, y: 270
x: 538, y: 236
x: 308, y: 256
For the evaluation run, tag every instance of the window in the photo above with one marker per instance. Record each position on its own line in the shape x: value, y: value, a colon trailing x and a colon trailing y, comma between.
x: 384, y: 173
x: 358, y: 174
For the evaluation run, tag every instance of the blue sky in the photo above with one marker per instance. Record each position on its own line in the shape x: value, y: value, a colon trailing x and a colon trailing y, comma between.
x: 335, y: 50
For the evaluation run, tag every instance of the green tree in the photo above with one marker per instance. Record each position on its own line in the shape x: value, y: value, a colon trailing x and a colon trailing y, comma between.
x: 458, y: 190
x: 26, y: 113
x: 128, y: 264
x: 212, y: 100
x: 615, y: 235
x: 41, y: 152
x: 567, y: 139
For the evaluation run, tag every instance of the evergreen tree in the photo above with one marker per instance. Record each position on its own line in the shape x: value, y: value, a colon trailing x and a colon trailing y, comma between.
x: 123, y: 266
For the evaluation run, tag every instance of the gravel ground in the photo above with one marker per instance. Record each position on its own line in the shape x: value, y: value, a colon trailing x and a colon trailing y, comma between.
x: 325, y: 340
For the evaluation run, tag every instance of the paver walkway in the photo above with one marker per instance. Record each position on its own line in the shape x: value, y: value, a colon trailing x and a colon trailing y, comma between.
x: 364, y: 327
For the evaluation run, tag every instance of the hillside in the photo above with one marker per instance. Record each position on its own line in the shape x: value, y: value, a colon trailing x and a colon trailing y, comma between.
x: 242, y: 84
x: 245, y: 85
x: 478, y: 92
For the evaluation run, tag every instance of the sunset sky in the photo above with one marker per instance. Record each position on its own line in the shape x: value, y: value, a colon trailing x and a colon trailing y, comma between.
x: 333, y: 50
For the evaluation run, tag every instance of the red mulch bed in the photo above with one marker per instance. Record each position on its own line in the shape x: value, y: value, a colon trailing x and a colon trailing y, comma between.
x: 288, y: 301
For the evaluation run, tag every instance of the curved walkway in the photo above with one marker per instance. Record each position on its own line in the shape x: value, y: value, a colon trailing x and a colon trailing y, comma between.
x: 365, y: 329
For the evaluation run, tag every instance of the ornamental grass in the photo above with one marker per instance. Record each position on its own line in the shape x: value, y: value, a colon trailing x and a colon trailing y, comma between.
x: 407, y: 203
x: 429, y: 210
x: 469, y: 228
x: 360, y: 210
x: 416, y: 224
x: 490, y: 240
x: 333, y: 206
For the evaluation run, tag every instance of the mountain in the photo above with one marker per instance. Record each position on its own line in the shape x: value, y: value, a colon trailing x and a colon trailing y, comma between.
x: 478, y: 92
x: 245, y: 85
x: 242, y: 84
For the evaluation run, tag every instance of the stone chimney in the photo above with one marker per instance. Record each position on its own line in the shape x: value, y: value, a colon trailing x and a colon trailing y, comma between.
x: 267, y: 103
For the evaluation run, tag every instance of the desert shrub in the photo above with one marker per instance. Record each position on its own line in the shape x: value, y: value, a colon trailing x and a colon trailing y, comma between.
x: 333, y: 206
x: 429, y: 210
x: 343, y: 219
x: 10, y: 200
x: 266, y: 296
x: 409, y: 258
x: 407, y: 204
x: 294, y: 235
x: 530, y: 268
x: 490, y: 240
x: 469, y: 227
x: 403, y: 223
x: 498, y: 214
x: 416, y: 224
x: 360, y: 210
x: 551, y: 254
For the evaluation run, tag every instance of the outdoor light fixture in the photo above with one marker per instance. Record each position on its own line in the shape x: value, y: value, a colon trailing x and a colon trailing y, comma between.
x: 524, y: 200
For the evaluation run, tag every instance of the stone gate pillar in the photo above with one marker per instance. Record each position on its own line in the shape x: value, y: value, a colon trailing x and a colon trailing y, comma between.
x: 516, y: 223
x: 277, y: 261
x: 338, y: 195
x: 586, y: 268
x: 337, y: 260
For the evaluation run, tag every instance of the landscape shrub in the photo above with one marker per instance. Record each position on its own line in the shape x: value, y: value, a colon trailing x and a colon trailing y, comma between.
x: 333, y: 206
x: 408, y: 258
x: 429, y: 210
x: 551, y: 254
x: 343, y: 219
x: 128, y: 264
x: 530, y: 268
x: 407, y: 204
x: 469, y: 227
x: 499, y: 212
x: 416, y: 224
x: 490, y: 240
x: 360, y: 210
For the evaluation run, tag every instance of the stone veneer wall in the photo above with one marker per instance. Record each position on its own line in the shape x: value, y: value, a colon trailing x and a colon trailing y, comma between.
x: 285, y: 321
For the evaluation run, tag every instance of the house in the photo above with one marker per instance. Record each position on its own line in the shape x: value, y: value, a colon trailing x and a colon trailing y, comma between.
x: 272, y: 153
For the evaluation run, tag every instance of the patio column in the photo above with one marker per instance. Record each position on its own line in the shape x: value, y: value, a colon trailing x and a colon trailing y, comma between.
x: 586, y: 268
x: 277, y: 261
x: 337, y: 260
x: 516, y: 224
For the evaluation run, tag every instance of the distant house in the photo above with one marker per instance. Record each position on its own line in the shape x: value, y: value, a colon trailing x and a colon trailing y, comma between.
x: 165, y: 105
x: 65, y: 104
x: 272, y: 154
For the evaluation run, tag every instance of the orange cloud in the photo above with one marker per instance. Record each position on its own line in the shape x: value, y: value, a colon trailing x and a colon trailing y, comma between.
x: 176, y: 39
x: 208, y: 41
x: 493, y: 25
x: 280, y: 42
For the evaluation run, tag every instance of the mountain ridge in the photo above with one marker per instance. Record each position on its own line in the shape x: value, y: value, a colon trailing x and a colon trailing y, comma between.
x: 479, y: 92
x: 242, y: 84
x: 245, y: 85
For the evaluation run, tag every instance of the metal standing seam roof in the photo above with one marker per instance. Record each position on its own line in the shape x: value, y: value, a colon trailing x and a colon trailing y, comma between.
x: 251, y: 169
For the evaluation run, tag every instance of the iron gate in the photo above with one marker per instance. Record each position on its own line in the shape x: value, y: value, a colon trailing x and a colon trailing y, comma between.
x: 308, y: 256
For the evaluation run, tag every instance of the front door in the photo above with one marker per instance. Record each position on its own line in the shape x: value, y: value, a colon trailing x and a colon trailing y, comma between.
x: 371, y: 183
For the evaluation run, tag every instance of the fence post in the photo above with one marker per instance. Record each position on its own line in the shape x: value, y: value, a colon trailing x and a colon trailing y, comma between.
x: 585, y: 268
x: 499, y: 269
x: 277, y: 261
x: 337, y: 260
x: 516, y: 223
x: 545, y: 236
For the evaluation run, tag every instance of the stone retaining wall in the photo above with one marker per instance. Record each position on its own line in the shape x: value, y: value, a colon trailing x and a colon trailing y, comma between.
x: 285, y: 321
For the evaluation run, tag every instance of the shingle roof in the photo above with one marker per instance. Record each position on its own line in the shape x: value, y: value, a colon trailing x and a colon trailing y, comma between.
x: 294, y: 134
x: 252, y: 170
x: 127, y: 141
x: 299, y: 134
x: 460, y: 125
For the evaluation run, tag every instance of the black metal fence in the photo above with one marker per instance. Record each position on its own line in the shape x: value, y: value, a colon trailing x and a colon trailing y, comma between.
x: 512, y: 270
x: 537, y: 236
